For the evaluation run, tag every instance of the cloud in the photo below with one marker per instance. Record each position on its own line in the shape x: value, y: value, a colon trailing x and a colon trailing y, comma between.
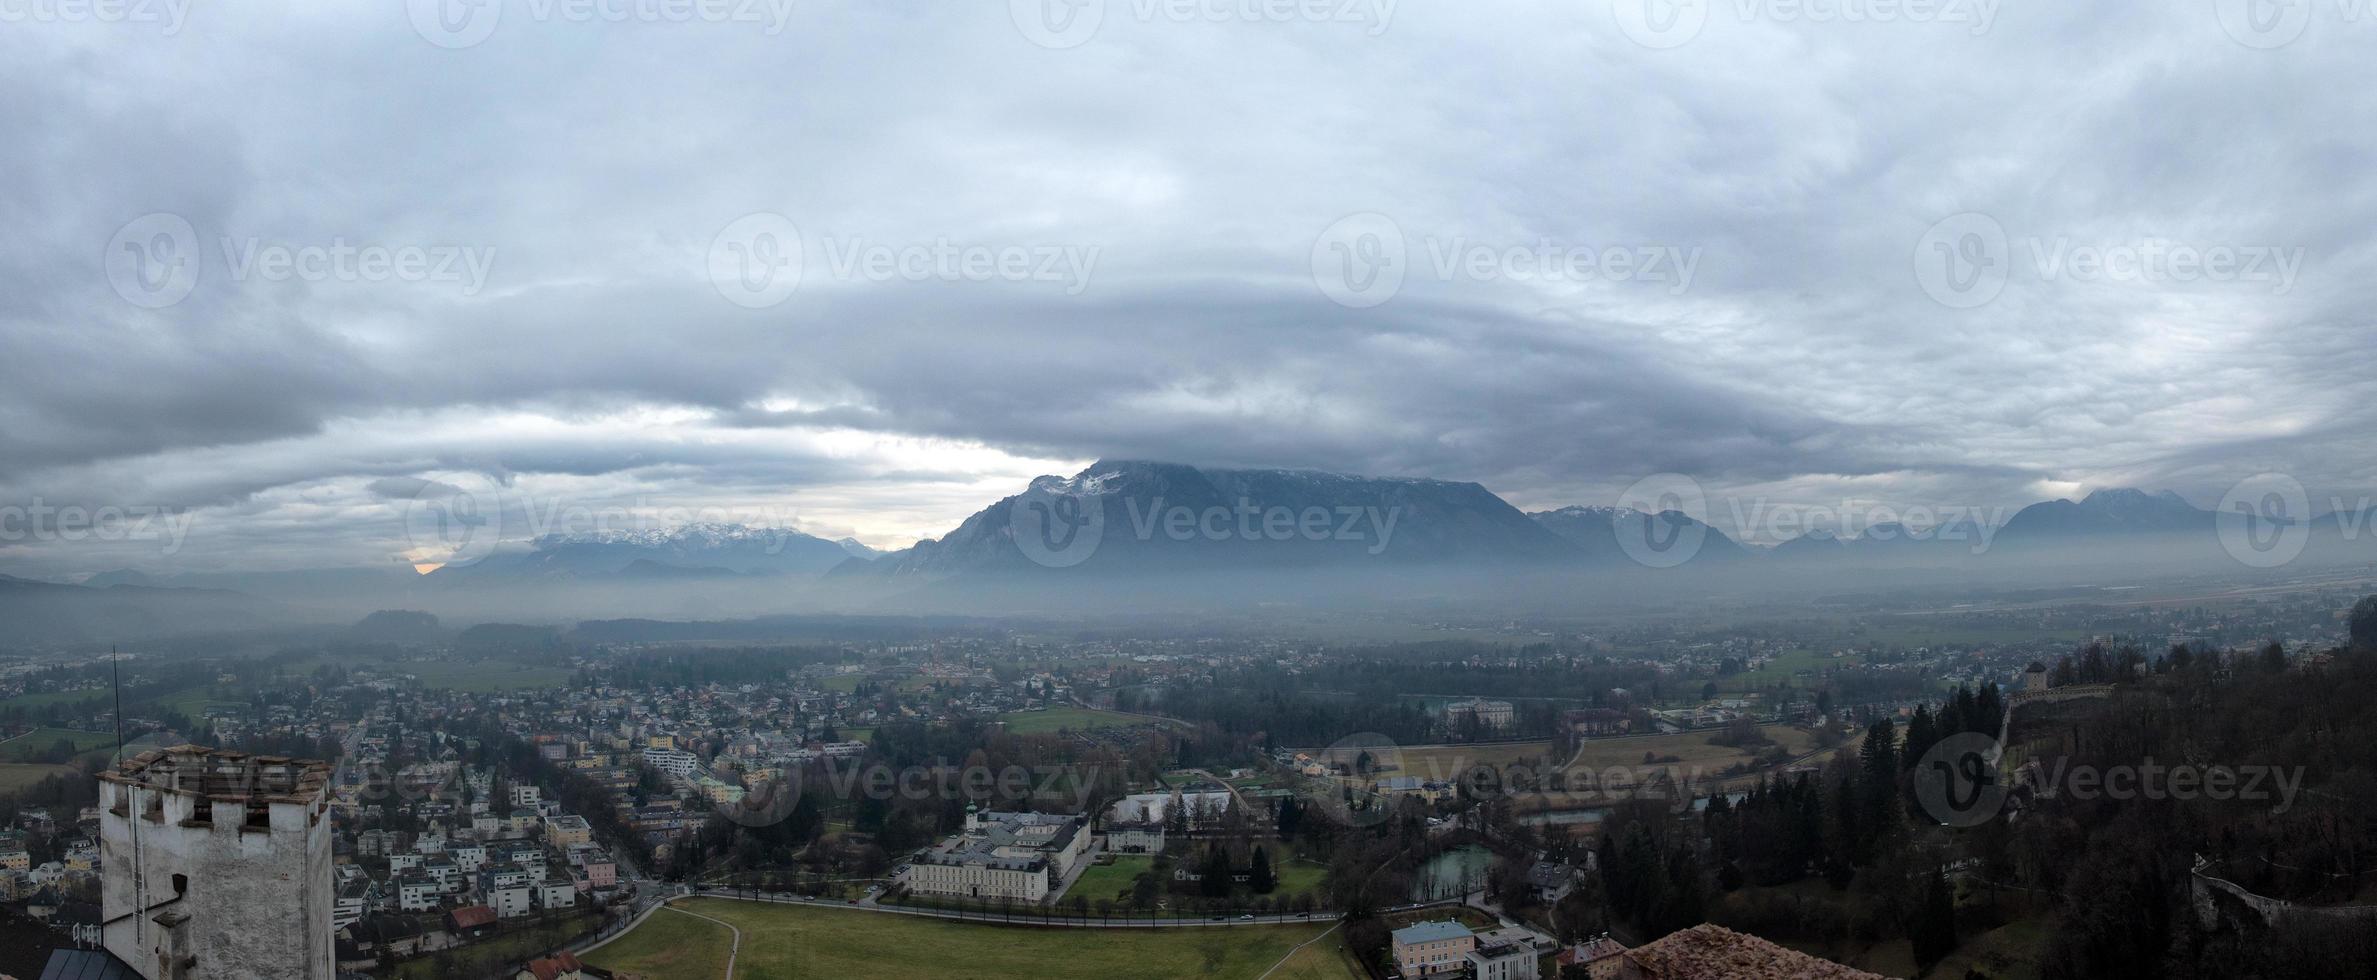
x: 1016, y: 258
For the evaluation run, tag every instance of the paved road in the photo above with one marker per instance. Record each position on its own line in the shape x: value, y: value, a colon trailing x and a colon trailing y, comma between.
x: 1060, y: 921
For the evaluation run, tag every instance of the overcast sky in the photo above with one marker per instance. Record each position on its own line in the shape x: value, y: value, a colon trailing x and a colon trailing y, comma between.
x: 866, y: 267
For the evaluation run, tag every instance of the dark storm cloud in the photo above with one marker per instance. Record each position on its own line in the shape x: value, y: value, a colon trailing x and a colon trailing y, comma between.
x: 1163, y: 194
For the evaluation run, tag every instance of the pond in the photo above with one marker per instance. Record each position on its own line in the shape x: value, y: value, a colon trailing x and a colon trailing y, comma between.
x: 1445, y: 874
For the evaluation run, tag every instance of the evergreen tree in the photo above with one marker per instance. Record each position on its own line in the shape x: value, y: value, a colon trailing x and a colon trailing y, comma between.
x: 1259, y: 877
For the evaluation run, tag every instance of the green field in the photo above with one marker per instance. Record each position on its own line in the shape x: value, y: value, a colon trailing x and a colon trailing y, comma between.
x: 14, y: 777
x: 40, y: 739
x: 1110, y: 880
x: 786, y: 941
x: 670, y: 944
x: 483, y: 677
x: 1054, y: 719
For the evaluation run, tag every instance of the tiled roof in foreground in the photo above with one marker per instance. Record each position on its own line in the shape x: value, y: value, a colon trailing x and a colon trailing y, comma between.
x: 1708, y: 952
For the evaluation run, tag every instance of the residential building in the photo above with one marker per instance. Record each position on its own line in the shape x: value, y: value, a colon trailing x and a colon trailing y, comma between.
x: 1502, y: 961
x: 1433, y: 948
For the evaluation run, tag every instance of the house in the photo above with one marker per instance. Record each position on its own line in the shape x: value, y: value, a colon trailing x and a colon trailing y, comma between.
x: 556, y: 893
x: 511, y: 901
x: 1433, y: 948
x: 1501, y: 961
x: 1601, y: 956
x: 1551, y: 880
x: 560, y: 966
x: 471, y: 921
x: 1136, y: 824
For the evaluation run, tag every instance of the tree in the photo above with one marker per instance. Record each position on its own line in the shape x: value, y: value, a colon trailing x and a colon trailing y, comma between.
x: 1259, y: 877
x: 2364, y: 624
x: 1932, y: 926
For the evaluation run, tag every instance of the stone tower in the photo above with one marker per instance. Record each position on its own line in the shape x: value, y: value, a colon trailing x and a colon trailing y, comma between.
x: 216, y: 864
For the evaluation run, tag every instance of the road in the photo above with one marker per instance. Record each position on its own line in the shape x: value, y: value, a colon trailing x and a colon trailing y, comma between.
x: 1025, y: 918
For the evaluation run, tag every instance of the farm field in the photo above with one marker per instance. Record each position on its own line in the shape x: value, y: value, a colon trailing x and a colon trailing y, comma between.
x: 781, y: 942
x: 40, y: 739
x: 1051, y: 720
x: 17, y: 776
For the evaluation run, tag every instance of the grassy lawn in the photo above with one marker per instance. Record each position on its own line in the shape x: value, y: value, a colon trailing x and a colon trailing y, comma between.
x: 1053, y: 719
x: 1324, y: 960
x: 14, y: 777
x: 1111, y: 880
x: 669, y: 944
x: 1296, y: 877
x: 40, y: 739
x: 782, y: 942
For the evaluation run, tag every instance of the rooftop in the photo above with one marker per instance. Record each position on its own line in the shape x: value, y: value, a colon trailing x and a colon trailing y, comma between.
x: 1429, y: 932
x: 223, y: 774
x: 1711, y: 952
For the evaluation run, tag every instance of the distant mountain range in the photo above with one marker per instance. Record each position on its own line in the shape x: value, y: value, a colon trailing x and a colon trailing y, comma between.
x: 691, y: 551
x: 1120, y: 521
